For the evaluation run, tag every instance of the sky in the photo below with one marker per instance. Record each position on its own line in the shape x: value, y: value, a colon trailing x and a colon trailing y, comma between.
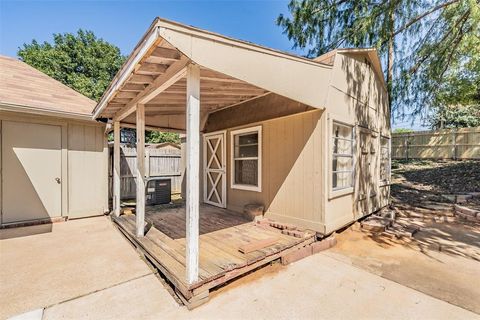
x: 123, y: 22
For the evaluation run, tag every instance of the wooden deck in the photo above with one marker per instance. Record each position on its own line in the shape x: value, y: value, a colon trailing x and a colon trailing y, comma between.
x: 222, y: 234
x: 170, y: 219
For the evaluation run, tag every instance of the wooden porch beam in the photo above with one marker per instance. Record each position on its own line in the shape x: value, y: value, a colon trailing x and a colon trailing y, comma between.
x: 116, y: 168
x: 140, y: 208
x: 175, y: 72
x: 193, y: 168
x: 153, y: 128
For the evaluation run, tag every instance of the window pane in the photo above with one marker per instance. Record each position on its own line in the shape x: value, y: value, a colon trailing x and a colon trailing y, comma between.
x: 342, y: 163
x: 342, y: 146
x: 342, y: 158
x: 342, y: 180
x: 246, y: 172
x: 248, y: 138
x: 246, y: 151
x: 246, y: 145
x: 342, y: 131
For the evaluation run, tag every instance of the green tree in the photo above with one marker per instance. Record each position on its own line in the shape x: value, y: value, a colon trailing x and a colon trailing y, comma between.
x: 150, y: 136
x: 456, y: 117
x: 159, y: 137
x: 81, y: 61
x: 423, y: 41
x: 402, y: 130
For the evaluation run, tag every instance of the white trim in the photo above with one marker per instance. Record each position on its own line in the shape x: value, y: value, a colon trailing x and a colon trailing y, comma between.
x: 140, y: 172
x: 233, y: 185
x: 223, y: 171
x: 126, y: 70
x: 193, y: 170
x: 116, y: 168
x: 334, y: 193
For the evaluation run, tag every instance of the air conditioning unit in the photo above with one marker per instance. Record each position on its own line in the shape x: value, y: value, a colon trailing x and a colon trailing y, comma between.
x: 159, y: 191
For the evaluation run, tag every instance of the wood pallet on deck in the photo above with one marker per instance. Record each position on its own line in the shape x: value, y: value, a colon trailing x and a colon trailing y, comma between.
x: 220, y: 259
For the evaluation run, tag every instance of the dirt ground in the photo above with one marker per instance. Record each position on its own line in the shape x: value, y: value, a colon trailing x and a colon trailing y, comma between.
x: 422, y: 183
x: 443, y: 257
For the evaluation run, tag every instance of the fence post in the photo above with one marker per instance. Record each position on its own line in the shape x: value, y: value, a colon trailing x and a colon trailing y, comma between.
x: 406, y: 146
x: 454, y: 134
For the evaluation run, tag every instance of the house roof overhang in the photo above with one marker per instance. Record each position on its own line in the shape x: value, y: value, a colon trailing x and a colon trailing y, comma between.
x: 231, y: 72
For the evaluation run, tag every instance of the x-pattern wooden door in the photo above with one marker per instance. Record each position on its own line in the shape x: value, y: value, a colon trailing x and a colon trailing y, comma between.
x: 214, y: 162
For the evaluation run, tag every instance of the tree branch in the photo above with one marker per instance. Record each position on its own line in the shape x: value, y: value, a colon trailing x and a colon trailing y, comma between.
x: 425, y: 57
x: 455, y: 45
x: 423, y: 15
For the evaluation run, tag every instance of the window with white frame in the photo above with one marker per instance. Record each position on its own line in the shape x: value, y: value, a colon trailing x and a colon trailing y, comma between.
x: 342, y: 157
x: 384, y: 159
x: 246, y: 158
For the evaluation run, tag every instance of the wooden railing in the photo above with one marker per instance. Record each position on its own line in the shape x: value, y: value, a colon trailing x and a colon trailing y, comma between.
x: 463, y: 143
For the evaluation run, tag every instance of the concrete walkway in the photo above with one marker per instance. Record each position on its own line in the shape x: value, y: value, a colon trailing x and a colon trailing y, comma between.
x: 85, y: 270
x: 318, y: 287
x: 47, y: 264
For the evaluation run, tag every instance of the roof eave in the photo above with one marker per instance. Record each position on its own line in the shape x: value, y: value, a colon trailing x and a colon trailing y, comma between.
x: 157, y: 31
x: 45, y: 112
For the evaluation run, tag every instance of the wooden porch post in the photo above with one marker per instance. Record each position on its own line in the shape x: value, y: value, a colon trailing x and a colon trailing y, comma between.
x: 140, y: 209
x: 116, y: 168
x: 193, y: 168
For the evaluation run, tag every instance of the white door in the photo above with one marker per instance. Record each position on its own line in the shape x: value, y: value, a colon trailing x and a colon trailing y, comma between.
x: 214, y: 164
x: 31, y: 167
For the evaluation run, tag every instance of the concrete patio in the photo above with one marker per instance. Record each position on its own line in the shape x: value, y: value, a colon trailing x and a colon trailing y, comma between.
x: 44, y: 265
x: 84, y: 269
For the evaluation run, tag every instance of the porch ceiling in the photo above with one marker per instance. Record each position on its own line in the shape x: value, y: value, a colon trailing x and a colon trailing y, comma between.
x: 231, y: 72
x: 167, y: 109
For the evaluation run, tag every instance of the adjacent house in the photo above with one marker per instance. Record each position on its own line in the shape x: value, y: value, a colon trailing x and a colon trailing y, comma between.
x: 307, y: 139
x: 53, y: 155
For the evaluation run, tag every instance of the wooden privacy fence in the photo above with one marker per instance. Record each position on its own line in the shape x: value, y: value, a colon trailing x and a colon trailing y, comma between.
x: 159, y: 162
x: 463, y: 143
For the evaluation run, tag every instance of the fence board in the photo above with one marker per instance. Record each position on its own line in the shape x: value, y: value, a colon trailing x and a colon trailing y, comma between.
x: 463, y: 143
x: 159, y: 162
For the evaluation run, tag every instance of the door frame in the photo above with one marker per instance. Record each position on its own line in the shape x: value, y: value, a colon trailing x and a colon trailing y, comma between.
x: 223, y: 171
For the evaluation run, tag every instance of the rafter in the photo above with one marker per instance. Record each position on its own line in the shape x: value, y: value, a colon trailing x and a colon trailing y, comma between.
x: 176, y: 71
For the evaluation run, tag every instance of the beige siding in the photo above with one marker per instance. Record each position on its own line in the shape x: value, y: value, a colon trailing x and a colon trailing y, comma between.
x: 83, y: 163
x: 296, y: 149
x: 291, y: 170
x: 358, y: 97
x: 87, y: 170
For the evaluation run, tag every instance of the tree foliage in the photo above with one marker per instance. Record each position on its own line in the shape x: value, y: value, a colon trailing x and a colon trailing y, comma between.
x: 434, y: 44
x: 81, y: 61
x: 402, y: 130
x: 128, y: 135
x: 456, y: 117
x: 86, y: 64
x: 159, y: 137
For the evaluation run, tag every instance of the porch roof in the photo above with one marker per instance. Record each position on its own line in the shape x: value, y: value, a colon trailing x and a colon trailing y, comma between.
x: 231, y: 72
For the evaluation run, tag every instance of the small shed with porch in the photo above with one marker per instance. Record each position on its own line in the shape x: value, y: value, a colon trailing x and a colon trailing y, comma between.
x: 306, y: 140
